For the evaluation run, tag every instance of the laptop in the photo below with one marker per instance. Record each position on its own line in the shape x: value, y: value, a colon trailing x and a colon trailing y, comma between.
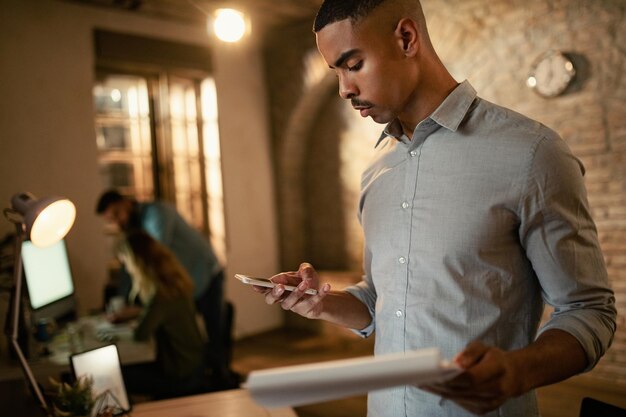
x: 103, y: 365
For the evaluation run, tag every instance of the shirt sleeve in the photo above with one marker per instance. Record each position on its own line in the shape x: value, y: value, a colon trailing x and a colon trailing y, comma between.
x: 150, y: 319
x: 561, y: 241
x: 365, y: 292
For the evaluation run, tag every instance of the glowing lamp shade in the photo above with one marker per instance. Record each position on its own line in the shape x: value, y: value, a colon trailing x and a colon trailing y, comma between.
x: 229, y: 25
x: 47, y: 220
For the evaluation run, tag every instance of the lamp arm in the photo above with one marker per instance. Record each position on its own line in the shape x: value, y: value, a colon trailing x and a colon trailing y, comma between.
x: 16, y: 314
x: 17, y: 280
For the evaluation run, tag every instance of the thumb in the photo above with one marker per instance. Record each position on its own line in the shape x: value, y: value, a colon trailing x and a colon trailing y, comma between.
x: 471, y: 355
x: 307, y: 272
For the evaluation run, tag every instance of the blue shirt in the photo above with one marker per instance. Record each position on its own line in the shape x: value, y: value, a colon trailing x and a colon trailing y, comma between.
x: 191, y: 248
x: 469, y: 227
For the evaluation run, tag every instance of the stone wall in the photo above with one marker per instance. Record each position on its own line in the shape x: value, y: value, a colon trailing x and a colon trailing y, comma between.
x: 321, y: 144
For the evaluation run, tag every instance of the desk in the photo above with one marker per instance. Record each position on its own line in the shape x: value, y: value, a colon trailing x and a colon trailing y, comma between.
x: 233, y: 403
x: 87, y: 329
x: 57, y: 361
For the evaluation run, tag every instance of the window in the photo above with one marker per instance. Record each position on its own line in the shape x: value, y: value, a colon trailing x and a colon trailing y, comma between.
x: 123, y: 134
x: 212, y: 167
x: 157, y: 135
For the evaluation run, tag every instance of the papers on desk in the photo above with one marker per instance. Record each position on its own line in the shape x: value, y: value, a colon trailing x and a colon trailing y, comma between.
x: 88, y: 333
x: 104, y: 329
x: 307, y: 384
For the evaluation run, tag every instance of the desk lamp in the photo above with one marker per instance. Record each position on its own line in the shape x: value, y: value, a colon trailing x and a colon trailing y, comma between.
x: 44, y: 222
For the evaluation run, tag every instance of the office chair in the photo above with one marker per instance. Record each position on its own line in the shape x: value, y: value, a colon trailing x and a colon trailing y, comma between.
x: 229, y: 317
x: 591, y: 407
x: 221, y: 376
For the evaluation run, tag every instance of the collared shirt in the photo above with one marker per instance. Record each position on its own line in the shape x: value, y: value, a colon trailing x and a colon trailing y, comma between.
x: 469, y: 227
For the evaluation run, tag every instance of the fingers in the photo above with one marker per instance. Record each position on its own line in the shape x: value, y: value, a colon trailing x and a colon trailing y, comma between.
x: 484, y: 367
x: 488, y: 381
x: 295, y: 296
x: 287, y: 278
x: 471, y: 355
x: 478, y: 400
x: 300, y: 302
x: 273, y: 296
x: 297, y: 300
x: 277, y: 294
x: 487, y: 389
x: 309, y: 306
x: 299, y: 297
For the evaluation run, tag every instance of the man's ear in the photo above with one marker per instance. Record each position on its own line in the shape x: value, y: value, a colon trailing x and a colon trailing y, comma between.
x: 407, y: 36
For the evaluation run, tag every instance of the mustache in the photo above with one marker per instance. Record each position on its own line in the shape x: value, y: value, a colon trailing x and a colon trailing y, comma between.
x: 359, y: 103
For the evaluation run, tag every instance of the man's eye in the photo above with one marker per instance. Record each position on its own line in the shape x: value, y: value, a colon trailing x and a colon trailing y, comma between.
x: 356, y: 66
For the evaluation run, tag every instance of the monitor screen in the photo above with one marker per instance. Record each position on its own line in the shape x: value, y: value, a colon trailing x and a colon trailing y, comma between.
x: 48, y: 278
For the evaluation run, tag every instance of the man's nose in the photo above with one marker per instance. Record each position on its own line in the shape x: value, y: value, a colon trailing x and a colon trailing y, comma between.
x: 347, y: 89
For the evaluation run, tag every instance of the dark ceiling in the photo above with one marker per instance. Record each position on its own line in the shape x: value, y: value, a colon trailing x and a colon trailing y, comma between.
x: 267, y: 12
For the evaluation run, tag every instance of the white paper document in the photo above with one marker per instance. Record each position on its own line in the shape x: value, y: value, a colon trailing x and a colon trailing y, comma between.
x: 306, y: 384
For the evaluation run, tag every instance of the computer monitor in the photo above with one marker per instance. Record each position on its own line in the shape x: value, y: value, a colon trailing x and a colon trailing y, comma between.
x: 49, y: 281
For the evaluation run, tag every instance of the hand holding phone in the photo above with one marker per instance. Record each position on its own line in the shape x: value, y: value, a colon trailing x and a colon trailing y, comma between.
x: 264, y: 282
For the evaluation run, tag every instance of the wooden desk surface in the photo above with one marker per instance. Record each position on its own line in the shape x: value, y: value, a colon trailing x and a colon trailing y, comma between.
x: 233, y: 403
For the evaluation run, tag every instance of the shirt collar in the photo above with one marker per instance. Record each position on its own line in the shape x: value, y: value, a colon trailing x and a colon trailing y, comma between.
x: 449, y: 114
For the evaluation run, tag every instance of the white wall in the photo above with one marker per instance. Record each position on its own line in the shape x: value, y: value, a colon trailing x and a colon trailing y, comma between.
x: 47, y: 137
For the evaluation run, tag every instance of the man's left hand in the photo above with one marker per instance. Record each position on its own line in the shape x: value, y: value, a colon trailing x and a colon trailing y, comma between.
x: 490, y: 377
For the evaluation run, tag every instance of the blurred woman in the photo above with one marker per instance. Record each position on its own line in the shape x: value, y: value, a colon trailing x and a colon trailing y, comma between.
x: 165, y: 292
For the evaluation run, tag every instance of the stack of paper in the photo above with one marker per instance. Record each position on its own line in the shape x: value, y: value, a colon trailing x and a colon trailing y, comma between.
x: 306, y: 384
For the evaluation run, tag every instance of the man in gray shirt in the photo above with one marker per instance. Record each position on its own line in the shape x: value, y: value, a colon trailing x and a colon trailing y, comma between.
x: 473, y: 216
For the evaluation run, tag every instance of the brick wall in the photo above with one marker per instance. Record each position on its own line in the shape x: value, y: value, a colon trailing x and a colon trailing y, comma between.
x: 321, y: 144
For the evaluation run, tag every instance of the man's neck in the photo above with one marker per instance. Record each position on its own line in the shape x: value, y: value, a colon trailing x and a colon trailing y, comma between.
x: 427, y: 98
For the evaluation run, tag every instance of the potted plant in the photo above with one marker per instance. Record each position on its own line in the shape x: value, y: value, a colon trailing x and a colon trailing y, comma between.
x: 72, y: 400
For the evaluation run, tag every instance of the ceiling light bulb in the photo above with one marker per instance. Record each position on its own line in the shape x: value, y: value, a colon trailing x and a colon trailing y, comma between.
x: 229, y: 25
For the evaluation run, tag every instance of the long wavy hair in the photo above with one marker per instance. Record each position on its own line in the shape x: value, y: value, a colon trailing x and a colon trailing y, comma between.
x: 153, y: 268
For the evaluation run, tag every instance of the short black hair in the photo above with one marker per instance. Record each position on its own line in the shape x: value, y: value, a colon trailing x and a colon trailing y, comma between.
x: 332, y: 11
x: 106, y: 199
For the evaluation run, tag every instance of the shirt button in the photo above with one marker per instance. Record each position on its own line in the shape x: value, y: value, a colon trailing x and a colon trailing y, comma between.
x: 399, y: 313
x: 402, y: 260
x: 413, y: 153
x: 405, y: 205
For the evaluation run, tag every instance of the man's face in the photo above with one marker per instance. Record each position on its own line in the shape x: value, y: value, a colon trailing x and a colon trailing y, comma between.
x: 118, y: 213
x: 370, y: 65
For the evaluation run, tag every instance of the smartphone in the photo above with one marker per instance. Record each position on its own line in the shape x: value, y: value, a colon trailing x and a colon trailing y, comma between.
x: 264, y: 282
